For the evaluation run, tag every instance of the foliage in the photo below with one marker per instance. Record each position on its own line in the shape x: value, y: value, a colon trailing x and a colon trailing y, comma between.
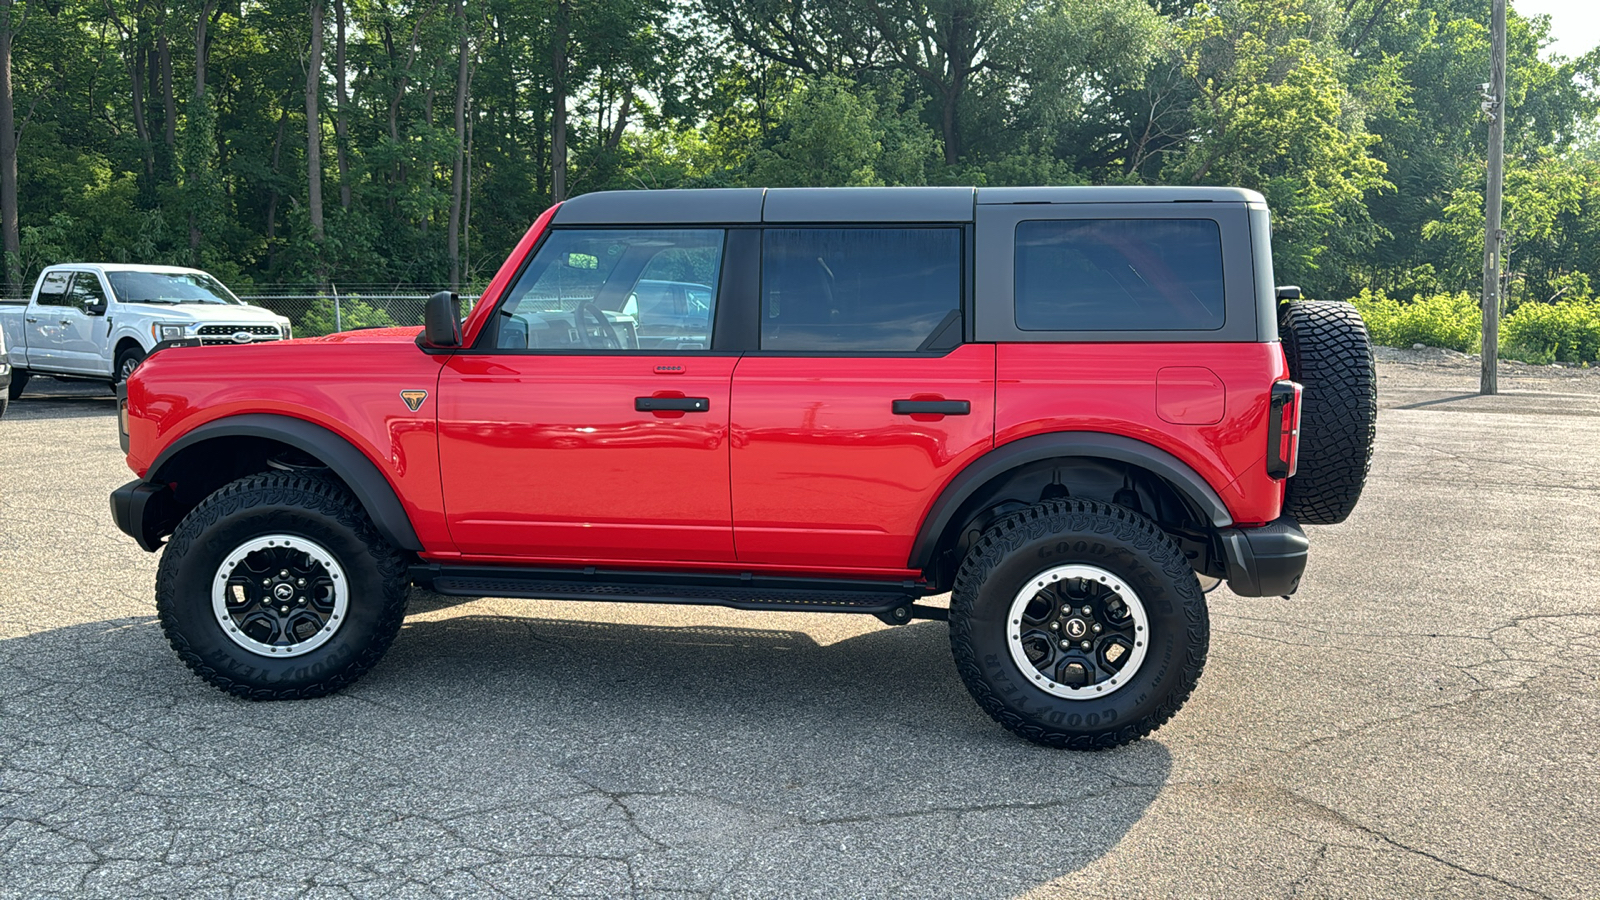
x: 1451, y: 321
x: 354, y: 313
x: 1358, y: 119
x: 1567, y: 331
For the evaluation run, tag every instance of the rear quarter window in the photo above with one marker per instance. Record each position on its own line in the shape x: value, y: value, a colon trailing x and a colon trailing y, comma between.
x: 1119, y: 275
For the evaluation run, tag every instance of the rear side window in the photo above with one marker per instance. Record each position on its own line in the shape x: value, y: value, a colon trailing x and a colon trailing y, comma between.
x: 53, y: 289
x: 858, y: 289
x: 1119, y: 275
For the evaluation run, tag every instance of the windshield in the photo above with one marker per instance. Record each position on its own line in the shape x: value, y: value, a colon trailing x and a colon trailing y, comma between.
x: 170, y: 287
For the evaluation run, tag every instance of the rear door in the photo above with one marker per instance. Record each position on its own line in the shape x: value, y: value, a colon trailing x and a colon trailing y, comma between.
x: 863, y: 399
x: 47, y: 320
x: 562, y: 437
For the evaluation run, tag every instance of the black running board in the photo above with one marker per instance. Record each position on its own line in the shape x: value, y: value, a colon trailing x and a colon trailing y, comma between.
x: 886, y: 599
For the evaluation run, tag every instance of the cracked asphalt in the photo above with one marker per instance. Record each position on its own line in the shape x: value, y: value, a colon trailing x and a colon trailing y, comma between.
x: 1421, y: 718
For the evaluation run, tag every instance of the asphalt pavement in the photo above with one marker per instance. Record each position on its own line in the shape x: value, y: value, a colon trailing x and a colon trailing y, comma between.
x: 1420, y: 719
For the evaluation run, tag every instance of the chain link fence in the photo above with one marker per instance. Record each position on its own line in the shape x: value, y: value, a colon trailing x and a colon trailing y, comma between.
x: 325, y: 313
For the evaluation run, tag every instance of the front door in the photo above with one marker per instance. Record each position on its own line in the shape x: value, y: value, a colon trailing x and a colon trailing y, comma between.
x: 864, y: 399
x: 77, y: 346
x: 562, y: 439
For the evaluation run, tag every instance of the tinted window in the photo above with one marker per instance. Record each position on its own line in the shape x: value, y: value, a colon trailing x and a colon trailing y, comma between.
x: 86, y: 291
x: 1119, y: 275
x: 591, y: 289
x: 53, y: 289
x: 838, y: 289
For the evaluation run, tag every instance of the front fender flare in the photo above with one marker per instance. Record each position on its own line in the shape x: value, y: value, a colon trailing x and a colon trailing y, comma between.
x: 374, y: 492
x: 1093, y: 445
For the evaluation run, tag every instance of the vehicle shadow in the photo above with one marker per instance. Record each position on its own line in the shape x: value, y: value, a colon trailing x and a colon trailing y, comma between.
x: 47, y: 398
x: 502, y: 753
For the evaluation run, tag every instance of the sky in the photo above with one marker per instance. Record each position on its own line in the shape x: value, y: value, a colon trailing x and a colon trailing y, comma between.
x: 1575, y: 24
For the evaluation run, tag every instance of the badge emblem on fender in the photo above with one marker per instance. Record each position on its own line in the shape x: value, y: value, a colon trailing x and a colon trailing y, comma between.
x: 414, y: 399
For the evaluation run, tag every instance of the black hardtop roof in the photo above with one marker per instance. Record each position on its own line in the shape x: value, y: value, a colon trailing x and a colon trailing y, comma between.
x: 705, y: 206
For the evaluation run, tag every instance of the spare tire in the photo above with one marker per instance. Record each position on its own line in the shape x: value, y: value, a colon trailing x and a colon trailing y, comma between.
x: 1330, y: 354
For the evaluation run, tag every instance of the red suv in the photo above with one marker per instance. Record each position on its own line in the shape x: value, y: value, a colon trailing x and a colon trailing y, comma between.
x: 1069, y: 407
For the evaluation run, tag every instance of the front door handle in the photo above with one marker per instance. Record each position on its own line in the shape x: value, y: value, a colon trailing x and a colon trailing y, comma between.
x: 672, y: 404
x: 66, y: 321
x: 32, y: 319
x: 932, y: 407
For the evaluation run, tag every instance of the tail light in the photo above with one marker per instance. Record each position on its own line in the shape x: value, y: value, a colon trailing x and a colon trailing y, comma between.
x: 1283, y: 429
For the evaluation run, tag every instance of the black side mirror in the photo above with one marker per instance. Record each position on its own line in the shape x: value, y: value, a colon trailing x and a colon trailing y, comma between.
x: 1288, y: 292
x: 97, y: 309
x: 441, y: 323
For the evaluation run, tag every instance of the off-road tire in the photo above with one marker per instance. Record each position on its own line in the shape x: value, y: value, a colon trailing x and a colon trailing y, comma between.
x: 1022, y: 545
x: 1330, y: 354
x: 19, y: 383
x: 309, y: 506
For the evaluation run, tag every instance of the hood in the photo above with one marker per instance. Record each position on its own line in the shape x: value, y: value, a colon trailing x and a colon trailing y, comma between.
x: 209, y: 312
x: 395, y: 335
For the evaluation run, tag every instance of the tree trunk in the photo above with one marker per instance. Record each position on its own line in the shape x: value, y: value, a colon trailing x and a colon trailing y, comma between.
x: 8, y: 152
x: 136, y: 73
x: 200, y: 52
x: 169, y: 103
x: 314, y: 124
x: 340, y: 130
x: 558, y: 104
x: 272, y: 199
x: 458, y: 173
x: 615, y: 139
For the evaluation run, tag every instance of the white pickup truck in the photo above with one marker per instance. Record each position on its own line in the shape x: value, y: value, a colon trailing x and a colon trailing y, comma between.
x: 100, y: 320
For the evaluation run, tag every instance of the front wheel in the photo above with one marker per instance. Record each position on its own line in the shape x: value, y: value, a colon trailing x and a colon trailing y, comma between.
x: 1078, y: 624
x: 127, y: 361
x: 278, y: 587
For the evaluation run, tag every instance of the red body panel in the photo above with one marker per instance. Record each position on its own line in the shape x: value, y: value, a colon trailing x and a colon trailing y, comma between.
x: 349, y: 384
x: 824, y: 472
x: 799, y: 467
x: 545, y: 454
x: 1111, y: 388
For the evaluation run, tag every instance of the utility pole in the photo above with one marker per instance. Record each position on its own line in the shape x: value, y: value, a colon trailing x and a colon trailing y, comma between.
x: 1495, y: 105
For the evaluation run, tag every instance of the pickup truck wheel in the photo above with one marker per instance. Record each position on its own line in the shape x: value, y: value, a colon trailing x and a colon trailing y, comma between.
x: 19, y: 381
x: 1078, y: 624
x: 127, y: 361
x: 278, y: 587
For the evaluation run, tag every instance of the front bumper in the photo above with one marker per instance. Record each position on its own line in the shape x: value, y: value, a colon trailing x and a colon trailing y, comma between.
x: 144, y: 512
x: 1266, y: 561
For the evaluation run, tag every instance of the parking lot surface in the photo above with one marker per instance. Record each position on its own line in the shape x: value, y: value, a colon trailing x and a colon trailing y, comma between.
x: 1420, y: 719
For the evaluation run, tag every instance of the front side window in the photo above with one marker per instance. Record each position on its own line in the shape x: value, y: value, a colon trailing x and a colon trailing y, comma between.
x: 858, y: 289
x: 1119, y: 275
x: 86, y: 291
x: 614, y: 289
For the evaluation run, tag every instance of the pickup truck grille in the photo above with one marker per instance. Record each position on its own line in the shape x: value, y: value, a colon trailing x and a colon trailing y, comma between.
x: 223, y: 334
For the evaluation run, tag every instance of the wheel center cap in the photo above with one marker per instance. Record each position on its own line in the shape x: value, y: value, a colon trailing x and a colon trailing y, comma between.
x: 1076, y: 628
x: 283, y: 591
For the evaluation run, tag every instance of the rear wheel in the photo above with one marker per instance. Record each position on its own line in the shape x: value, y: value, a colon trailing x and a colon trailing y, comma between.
x: 19, y: 382
x: 1078, y: 624
x: 278, y: 586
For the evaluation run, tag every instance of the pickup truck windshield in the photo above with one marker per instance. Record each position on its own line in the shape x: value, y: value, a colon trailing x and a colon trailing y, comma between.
x: 170, y: 287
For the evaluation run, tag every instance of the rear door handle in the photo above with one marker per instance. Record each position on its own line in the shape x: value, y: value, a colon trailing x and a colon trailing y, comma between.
x: 672, y: 404
x: 932, y: 407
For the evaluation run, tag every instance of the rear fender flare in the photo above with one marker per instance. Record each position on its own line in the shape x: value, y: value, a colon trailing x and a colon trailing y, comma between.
x: 1092, y: 445
x: 371, y: 489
